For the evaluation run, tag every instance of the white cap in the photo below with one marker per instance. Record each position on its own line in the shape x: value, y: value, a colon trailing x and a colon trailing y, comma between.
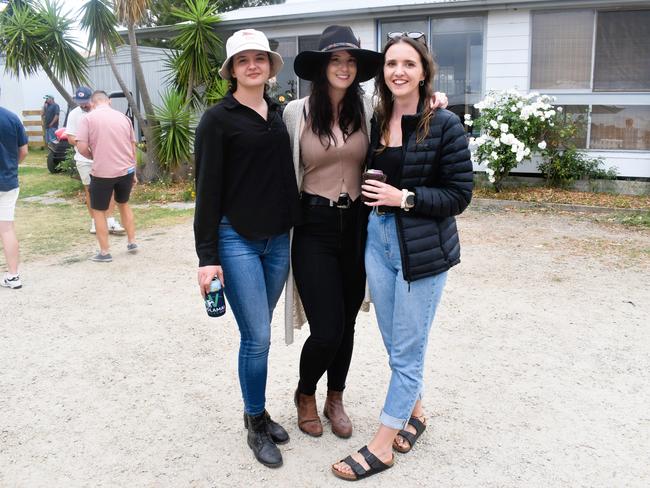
x: 245, y: 40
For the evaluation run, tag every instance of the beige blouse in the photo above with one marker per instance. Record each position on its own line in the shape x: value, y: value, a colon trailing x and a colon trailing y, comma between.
x: 330, y: 171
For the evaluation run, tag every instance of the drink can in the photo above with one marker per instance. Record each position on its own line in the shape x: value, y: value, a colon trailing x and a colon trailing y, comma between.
x: 215, y: 302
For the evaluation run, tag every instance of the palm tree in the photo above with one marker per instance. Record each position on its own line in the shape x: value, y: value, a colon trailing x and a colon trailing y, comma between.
x: 196, y: 46
x: 38, y: 36
x: 99, y: 21
x: 132, y: 13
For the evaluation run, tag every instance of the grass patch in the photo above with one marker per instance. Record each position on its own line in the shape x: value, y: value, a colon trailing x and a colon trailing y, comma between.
x: 35, y: 180
x: 556, y: 195
x: 162, y: 192
x: 44, y: 230
x: 638, y: 220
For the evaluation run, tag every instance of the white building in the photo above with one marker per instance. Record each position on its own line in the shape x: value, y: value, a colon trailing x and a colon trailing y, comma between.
x: 593, y: 55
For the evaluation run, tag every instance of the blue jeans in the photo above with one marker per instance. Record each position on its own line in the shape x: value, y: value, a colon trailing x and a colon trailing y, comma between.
x: 405, y: 313
x: 49, y: 134
x: 254, y: 273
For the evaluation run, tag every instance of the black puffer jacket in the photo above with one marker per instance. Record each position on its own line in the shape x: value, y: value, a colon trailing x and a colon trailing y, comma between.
x: 439, y: 170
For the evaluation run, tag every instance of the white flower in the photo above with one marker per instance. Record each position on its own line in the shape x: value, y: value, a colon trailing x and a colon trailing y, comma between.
x: 494, y: 124
x: 500, y: 118
x: 504, y: 127
x: 560, y: 109
x: 542, y: 145
x: 494, y: 155
x: 520, y: 104
x: 513, y: 108
x: 497, y: 143
x: 468, y: 117
x: 469, y: 123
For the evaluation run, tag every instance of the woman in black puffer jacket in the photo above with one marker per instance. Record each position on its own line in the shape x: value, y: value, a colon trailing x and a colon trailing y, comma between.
x: 412, y: 238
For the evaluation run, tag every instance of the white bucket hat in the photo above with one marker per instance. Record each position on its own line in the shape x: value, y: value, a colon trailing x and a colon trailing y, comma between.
x: 249, y: 39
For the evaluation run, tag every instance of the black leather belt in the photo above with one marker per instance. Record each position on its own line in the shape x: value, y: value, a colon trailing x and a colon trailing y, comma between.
x: 382, y: 210
x: 344, y: 201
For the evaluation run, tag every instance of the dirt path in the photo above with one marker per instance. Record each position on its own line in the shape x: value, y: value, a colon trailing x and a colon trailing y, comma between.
x: 538, y: 370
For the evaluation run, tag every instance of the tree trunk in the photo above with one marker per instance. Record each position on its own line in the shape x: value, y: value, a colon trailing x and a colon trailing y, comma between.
x: 152, y: 168
x: 59, y: 87
x: 139, y: 74
x: 125, y: 89
x: 190, y: 88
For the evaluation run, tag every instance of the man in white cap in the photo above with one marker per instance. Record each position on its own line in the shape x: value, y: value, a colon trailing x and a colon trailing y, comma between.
x: 84, y: 165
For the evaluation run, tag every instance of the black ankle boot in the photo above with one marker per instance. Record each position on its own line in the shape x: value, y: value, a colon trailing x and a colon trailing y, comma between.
x: 259, y: 440
x: 275, y: 430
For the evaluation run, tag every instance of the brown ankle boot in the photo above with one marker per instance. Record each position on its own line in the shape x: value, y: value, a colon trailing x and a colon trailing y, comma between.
x: 334, y: 411
x: 308, y: 419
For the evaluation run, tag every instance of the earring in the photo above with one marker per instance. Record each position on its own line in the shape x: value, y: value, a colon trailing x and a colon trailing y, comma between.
x: 421, y: 82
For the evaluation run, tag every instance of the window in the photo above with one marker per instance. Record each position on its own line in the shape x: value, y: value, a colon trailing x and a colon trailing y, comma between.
x: 620, y: 127
x: 564, y: 52
x: 562, y: 49
x: 579, y: 116
x: 406, y: 26
x: 622, y: 51
x: 306, y: 43
x: 285, y: 79
x: 457, y: 47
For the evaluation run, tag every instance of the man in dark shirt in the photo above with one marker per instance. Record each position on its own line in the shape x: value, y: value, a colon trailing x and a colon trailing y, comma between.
x: 50, y: 118
x: 13, y: 149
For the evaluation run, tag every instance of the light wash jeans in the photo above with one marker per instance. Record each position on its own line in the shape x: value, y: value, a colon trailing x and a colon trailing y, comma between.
x: 404, y: 313
x: 254, y: 273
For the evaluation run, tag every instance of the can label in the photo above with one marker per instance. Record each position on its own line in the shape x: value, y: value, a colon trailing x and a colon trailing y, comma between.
x: 215, y: 302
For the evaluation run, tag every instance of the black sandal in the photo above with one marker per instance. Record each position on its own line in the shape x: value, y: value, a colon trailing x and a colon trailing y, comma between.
x: 359, y: 472
x: 409, y: 437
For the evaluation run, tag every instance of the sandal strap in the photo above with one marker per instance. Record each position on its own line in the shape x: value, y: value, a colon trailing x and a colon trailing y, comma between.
x: 418, y: 424
x: 373, y: 461
x: 354, y: 466
x: 408, y: 436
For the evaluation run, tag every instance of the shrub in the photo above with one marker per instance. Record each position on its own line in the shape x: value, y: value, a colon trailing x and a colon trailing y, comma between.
x: 175, y: 131
x: 513, y: 127
x: 562, y: 168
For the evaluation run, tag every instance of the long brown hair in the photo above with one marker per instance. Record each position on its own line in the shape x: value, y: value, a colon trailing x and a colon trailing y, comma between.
x: 321, y: 114
x: 384, y: 108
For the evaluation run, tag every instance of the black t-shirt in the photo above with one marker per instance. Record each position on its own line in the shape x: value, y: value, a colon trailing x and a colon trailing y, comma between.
x: 390, y: 162
x: 51, y: 111
x: 244, y: 170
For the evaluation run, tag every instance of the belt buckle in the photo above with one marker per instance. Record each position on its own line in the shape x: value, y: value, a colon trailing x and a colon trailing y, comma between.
x: 345, y: 198
x: 379, y: 212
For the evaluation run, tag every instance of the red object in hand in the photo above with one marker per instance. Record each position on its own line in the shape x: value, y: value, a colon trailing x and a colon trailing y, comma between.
x: 60, y: 134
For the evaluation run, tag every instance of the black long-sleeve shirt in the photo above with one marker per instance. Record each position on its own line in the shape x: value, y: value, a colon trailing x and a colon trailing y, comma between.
x: 244, y: 170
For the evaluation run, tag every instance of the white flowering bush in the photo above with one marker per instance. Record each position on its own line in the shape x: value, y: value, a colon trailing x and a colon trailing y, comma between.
x: 513, y: 127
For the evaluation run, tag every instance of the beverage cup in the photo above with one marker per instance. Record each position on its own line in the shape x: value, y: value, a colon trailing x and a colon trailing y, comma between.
x: 372, y: 174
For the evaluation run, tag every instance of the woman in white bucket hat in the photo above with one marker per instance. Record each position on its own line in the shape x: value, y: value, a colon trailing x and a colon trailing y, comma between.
x: 246, y: 203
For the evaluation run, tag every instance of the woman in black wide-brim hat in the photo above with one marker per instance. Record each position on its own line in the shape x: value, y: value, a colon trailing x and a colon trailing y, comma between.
x: 329, y: 133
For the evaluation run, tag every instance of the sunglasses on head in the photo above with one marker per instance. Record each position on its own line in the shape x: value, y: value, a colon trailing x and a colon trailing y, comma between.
x: 416, y: 36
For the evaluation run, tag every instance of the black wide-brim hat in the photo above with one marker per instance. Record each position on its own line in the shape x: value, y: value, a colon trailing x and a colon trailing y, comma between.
x: 337, y: 38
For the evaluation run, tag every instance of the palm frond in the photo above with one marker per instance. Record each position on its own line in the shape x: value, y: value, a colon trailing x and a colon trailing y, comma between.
x: 100, y: 22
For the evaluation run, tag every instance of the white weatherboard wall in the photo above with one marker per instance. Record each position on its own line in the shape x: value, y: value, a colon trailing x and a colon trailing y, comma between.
x: 507, y: 50
x: 508, y: 39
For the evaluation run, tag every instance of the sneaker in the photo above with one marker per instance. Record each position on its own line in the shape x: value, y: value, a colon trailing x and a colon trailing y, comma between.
x: 102, y: 258
x: 13, y: 282
x: 116, y: 229
x: 92, y: 227
x: 132, y: 248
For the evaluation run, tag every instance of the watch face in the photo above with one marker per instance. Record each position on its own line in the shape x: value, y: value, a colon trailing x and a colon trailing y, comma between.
x: 410, y: 200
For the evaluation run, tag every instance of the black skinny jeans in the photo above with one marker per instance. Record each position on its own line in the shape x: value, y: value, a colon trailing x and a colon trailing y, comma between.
x: 330, y: 276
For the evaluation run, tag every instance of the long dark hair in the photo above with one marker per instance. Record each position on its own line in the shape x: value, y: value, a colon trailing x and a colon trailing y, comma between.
x: 321, y: 115
x: 385, y: 105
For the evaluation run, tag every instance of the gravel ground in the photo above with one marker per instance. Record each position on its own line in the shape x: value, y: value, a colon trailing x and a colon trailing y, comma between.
x: 538, y: 372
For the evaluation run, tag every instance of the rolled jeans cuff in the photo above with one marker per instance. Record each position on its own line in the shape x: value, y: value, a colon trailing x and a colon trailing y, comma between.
x: 392, y: 422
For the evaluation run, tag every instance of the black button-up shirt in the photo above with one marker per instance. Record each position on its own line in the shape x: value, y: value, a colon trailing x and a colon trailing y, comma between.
x: 244, y: 170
